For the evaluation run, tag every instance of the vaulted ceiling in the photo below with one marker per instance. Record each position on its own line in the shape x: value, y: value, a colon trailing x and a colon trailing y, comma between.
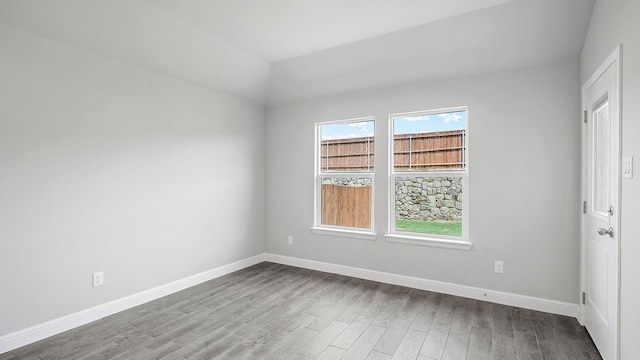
x: 282, y: 50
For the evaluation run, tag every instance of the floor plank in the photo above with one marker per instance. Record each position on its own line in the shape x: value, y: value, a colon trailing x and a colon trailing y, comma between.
x: 410, y: 346
x: 392, y: 337
x: 331, y: 353
x: 322, y: 341
x: 363, y: 346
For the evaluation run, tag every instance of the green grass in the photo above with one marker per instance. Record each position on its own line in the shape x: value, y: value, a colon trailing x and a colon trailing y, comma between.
x: 453, y: 228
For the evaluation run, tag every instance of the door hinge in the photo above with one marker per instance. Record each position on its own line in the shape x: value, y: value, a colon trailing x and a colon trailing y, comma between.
x: 584, y: 298
x: 584, y: 207
x: 585, y: 116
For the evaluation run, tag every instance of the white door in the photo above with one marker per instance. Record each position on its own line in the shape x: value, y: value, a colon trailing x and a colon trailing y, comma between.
x: 600, y: 230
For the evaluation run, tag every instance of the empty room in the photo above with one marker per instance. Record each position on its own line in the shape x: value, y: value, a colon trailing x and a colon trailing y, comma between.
x: 307, y: 179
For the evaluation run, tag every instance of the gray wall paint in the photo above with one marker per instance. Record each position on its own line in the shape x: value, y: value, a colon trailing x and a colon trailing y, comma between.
x: 614, y: 22
x: 106, y: 167
x: 522, y: 123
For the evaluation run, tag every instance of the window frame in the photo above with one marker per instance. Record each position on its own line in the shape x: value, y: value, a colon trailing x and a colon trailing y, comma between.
x: 446, y: 241
x: 319, y: 174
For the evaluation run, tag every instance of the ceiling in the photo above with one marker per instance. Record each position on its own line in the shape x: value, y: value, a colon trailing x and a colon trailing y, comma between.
x: 518, y: 34
x: 282, y: 50
x: 280, y: 29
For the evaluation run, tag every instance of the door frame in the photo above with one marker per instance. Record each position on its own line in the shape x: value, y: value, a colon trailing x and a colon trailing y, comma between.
x: 616, y: 117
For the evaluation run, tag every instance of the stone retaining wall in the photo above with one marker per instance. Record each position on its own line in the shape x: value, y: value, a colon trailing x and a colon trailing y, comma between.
x: 429, y: 199
x: 348, y: 181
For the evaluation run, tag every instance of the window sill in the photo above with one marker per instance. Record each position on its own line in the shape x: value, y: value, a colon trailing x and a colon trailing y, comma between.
x: 425, y: 241
x: 365, y: 235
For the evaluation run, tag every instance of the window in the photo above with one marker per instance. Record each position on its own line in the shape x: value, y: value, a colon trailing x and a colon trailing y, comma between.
x: 344, y: 178
x: 429, y: 178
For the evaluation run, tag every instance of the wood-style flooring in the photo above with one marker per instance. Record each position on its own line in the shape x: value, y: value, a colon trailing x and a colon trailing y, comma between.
x: 271, y: 311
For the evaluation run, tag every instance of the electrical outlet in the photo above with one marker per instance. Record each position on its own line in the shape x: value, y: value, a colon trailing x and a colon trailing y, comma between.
x: 98, y: 278
x: 627, y: 168
x: 498, y: 267
x: 290, y: 240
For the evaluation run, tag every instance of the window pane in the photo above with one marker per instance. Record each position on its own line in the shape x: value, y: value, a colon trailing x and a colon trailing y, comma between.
x: 347, y: 146
x: 601, y: 125
x: 346, y: 201
x: 430, y: 142
x: 429, y: 205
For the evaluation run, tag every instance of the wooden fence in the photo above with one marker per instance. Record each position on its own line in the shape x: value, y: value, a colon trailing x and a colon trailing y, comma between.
x: 347, y: 154
x: 346, y: 205
x: 435, y: 150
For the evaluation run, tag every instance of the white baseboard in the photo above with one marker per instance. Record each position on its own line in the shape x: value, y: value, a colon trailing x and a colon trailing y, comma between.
x: 56, y: 326
x: 526, y: 302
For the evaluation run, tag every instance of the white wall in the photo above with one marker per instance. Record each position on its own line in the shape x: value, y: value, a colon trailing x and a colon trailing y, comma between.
x: 616, y: 22
x: 524, y: 126
x: 107, y: 167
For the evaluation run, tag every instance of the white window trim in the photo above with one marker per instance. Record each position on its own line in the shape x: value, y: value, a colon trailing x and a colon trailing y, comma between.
x: 452, y: 242
x: 344, y: 232
x: 429, y: 241
x: 331, y: 230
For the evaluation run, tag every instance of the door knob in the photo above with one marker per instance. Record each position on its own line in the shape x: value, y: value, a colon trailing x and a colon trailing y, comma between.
x: 608, y: 231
